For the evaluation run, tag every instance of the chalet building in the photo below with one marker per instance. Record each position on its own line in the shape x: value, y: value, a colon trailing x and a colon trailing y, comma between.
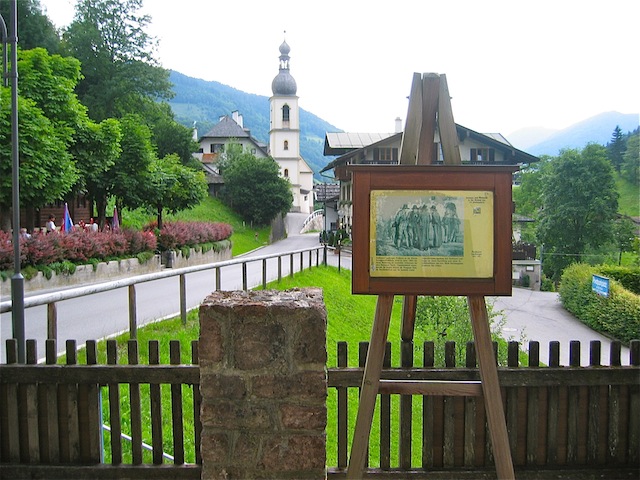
x: 284, y: 139
x: 230, y: 129
x: 384, y: 148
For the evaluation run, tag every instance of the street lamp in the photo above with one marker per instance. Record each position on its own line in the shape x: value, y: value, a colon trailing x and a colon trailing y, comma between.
x: 17, y: 280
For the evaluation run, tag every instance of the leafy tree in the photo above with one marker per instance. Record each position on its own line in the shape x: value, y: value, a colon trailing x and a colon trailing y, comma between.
x: 171, y: 137
x: 130, y: 171
x: 46, y: 90
x: 253, y: 186
x: 528, y: 195
x: 119, y: 69
x: 34, y: 27
x: 173, y: 187
x: 631, y: 159
x: 579, y: 206
x: 50, y: 81
x: 624, y: 235
x: 615, y: 148
x: 47, y: 171
x: 96, y: 148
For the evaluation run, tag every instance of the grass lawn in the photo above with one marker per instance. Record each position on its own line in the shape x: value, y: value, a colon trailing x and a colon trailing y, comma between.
x: 350, y: 319
x: 245, y: 238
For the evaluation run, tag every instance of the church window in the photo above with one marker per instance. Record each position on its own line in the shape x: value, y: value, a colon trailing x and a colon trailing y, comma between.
x: 286, y: 172
x: 286, y: 144
x: 285, y: 113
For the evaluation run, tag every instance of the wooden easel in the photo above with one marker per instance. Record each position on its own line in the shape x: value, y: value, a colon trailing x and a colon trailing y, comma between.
x: 430, y: 106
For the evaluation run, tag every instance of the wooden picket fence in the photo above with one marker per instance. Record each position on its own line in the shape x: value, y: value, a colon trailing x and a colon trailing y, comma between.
x: 582, y: 421
x: 575, y: 421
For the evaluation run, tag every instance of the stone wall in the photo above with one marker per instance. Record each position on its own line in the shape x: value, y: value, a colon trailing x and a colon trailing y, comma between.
x: 264, y: 384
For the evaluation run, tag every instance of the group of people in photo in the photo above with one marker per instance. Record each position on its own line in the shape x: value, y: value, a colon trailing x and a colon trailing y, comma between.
x: 423, y: 227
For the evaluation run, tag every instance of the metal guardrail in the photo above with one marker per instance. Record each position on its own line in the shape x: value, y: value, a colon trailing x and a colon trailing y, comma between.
x: 52, y: 298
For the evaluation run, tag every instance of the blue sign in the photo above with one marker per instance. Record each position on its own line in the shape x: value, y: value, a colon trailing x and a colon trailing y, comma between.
x: 600, y: 285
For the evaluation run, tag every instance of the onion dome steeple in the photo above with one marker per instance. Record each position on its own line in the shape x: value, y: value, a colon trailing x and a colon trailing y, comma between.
x: 284, y: 83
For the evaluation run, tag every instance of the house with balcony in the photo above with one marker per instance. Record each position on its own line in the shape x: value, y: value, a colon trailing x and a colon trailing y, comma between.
x: 229, y: 129
x: 384, y: 149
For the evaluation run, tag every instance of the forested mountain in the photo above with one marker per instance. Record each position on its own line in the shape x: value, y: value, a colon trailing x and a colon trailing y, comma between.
x: 204, y: 102
x: 596, y: 129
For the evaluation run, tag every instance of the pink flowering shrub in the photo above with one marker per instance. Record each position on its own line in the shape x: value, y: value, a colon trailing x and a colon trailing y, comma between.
x: 80, y: 246
x: 175, y: 235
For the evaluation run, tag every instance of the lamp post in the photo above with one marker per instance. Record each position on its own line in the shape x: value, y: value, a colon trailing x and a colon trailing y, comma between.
x: 17, y: 280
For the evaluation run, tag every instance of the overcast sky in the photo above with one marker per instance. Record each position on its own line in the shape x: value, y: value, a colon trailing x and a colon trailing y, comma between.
x: 509, y: 64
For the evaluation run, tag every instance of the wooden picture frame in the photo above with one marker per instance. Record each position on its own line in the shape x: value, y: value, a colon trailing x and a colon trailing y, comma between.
x: 460, y: 217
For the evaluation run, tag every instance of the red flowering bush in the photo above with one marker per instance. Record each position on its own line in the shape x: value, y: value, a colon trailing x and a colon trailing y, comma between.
x: 80, y: 246
x: 175, y: 235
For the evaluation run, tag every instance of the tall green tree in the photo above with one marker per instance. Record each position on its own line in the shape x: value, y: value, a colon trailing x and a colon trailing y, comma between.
x: 630, y: 169
x: 169, y: 136
x: 173, y: 187
x: 47, y: 171
x: 616, y: 147
x: 130, y: 172
x: 579, y: 207
x: 624, y: 236
x: 51, y: 109
x: 253, y: 186
x: 119, y: 69
x: 34, y: 27
x: 529, y: 194
x: 96, y: 149
x: 50, y: 81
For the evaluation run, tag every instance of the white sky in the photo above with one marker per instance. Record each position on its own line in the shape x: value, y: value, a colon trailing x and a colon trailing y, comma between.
x: 510, y: 64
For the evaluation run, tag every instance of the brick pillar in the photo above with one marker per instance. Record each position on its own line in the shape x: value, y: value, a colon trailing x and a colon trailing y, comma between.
x: 264, y: 384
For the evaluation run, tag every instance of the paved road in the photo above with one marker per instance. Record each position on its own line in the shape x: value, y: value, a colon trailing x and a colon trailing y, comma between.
x: 527, y: 315
x: 539, y: 316
x: 106, y: 314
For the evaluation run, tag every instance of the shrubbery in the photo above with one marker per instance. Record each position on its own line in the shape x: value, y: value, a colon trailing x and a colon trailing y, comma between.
x: 77, y: 247
x: 175, y: 235
x: 80, y: 247
x: 629, y: 277
x: 617, y: 315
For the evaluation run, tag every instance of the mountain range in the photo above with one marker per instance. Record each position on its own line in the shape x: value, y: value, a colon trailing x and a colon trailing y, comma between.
x: 204, y: 102
x: 597, y: 129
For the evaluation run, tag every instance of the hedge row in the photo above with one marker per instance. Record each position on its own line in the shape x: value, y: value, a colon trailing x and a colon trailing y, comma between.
x: 79, y: 246
x: 617, y: 315
x: 176, y: 235
x: 629, y: 277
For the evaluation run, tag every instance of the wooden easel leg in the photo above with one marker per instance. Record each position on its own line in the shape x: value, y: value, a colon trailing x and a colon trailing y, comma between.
x: 491, y: 388
x: 409, y: 304
x: 370, y: 384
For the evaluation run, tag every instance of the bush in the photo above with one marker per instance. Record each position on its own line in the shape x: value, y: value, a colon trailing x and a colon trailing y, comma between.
x: 629, y: 277
x: 617, y: 315
x: 175, y: 235
x: 56, y: 252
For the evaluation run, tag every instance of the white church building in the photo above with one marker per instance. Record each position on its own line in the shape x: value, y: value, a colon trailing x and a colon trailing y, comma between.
x: 284, y: 139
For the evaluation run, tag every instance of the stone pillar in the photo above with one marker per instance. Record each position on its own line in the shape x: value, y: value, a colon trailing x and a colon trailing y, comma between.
x: 264, y: 384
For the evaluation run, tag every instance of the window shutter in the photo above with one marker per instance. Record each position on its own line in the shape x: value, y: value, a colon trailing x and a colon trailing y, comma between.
x: 394, y: 154
x: 376, y: 154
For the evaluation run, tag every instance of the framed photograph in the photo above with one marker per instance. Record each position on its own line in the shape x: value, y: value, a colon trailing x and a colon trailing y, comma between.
x: 432, y: 230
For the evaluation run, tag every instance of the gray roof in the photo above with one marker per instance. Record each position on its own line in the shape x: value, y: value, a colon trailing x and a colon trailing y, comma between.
x: 226, y: 128
x: 337, y: 143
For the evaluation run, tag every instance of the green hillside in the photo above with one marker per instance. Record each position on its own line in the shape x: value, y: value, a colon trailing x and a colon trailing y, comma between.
x: 629, y: 201
x: 205, y: 102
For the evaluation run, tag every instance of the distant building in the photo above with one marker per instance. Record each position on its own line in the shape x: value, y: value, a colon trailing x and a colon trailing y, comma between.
x: 284, y: 135
x: 384, y: 148
x: 284, y: 139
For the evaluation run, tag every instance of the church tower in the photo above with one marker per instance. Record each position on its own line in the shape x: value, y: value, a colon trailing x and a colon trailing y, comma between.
x: 284, y: 135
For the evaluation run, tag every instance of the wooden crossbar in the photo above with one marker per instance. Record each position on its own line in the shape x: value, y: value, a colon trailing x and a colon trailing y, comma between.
x: 431, y: 387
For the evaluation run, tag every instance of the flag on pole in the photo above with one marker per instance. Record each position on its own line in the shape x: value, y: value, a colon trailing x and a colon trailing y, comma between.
x: 116, y: 222
x: 67, y: 223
